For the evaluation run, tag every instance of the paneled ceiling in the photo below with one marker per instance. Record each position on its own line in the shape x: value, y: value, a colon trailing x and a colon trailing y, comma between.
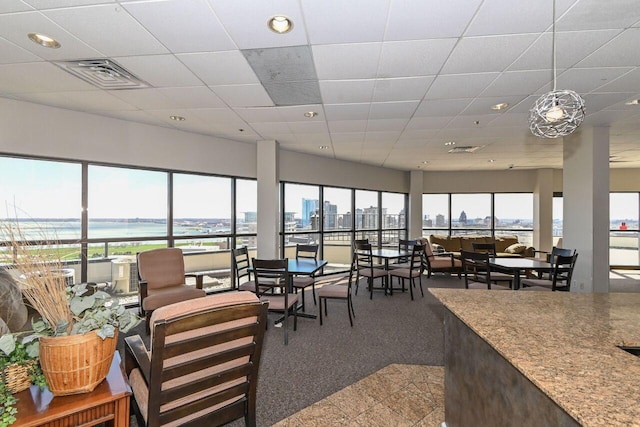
x: 392, y: 81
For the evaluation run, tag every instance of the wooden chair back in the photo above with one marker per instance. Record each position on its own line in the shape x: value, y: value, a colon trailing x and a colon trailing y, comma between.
x: 240, y: 259
x: 489, y: 248
x: 203, y: 364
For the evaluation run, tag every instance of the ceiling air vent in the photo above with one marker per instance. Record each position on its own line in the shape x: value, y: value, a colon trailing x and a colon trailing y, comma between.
x: 467, y: 149
x: 103, y: 73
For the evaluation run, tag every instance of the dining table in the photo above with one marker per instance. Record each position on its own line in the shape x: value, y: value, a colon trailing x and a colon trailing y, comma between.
x: 387, y: 254
x: 303, y: 267
x: 516, y: 266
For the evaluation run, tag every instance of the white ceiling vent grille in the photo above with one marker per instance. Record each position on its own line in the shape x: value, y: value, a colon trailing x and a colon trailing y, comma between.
x: 467, y: 149
x: 103, y: 73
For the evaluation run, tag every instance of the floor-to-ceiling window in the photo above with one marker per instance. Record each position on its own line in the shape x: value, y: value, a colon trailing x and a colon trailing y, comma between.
x: 487, y: 214
x: 128, y: 210
x: 332, y: 217
x: 624, y: 229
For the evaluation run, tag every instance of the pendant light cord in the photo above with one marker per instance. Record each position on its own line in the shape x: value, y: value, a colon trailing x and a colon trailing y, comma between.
x: 553, y: 45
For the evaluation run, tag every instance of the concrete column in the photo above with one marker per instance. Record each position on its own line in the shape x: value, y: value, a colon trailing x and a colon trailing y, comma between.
x: 414, y: 216
x: 268, y: 199
x: 543, y: 210
x: 585, y: 189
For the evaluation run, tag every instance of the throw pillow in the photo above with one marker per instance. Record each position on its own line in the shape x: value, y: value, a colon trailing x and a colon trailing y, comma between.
x: 516, y: 248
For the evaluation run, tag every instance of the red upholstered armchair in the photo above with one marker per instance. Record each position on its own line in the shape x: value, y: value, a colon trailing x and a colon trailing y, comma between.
x: 162, y: 280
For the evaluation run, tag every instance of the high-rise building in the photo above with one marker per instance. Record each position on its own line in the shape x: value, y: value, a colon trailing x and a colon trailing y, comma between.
x: 440, y: 220
x: 309, y: 207
x: 330, y: 215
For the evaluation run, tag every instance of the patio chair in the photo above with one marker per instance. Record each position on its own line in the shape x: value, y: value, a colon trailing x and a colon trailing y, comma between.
x: 163, y: 280
x: 202, y: 367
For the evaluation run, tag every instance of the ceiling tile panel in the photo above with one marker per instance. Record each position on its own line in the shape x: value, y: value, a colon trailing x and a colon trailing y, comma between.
x: 144, y: 99
x: 337, y: 21
x: 159, y: 70
x: 414, y: 58
x: 15, y: 28
x: 220, y: 68
x: 246, y: 22
x: 624, y: 50
x: 269, y: 130
x: 347, y: 125
x: 38, y: 77
x: 346, y: 91
x: 628, y: 82
x: 401, y: 89
x: 91, y: 23
x: 8, y: 6
x: 346, y: 61
x: 182, y: 25
x: 381, y: 125
x: 15, y: 54
x: 419, y: 19
x: 192, y: 97
x: 591, y: 15
x: 459, y: 85
x: 308, y: 127
x: 243, y: 95
x: 584, y: 80
x: 486, y: 54
x: 571, y: 48
x: 518, y: 83
x: 347, y: 111
x: 294, y: 113
x: 440, y: 108
x: 393, y: 110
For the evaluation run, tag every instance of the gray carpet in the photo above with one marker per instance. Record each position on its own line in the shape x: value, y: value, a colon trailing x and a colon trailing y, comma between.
x: 321, y: 360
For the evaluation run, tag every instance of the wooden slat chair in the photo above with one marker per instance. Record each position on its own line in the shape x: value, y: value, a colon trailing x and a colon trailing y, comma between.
x: 273, y: 275
x: 367, y: 268
x: 560, y: 279
x: 338, y: 290
x: 412, y: 273
x: 202, y: 368
x: 403, y: 245
x: 163, y: 280
x: 302, y: 282
x: 490, y: 248
x: 477, y: 271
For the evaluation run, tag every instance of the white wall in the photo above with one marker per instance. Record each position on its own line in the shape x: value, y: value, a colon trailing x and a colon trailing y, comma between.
x: 33, y: 129
x: 306, y: 168
x: 514, y: 181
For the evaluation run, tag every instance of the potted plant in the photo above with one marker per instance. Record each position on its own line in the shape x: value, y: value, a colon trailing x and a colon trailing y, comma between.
x: 18, y: 370
x: 79, y: 327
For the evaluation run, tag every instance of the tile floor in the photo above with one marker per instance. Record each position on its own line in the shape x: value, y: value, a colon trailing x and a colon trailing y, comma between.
x: 398, y: 395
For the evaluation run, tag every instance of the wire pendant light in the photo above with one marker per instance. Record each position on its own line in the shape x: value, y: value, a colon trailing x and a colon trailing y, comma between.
x: 557, y: 113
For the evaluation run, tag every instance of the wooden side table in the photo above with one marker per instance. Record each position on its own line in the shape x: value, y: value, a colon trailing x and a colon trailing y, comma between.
x: 108, y: 403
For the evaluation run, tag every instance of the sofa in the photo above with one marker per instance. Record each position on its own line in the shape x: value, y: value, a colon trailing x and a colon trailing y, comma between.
x: 506, y: 246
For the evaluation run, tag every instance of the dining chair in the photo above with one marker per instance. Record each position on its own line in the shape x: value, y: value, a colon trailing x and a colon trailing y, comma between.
x: 338, y: 290
x: 477, y: 271
x: 560, y: 279
x: 415, y: 270
x: 490, y: 248
x: 162, y: 280
x: 367, y: 268
x: 273, y: 274
x: 203, y: 362
x: 441, y: 262
x: 301, y: 282
x: 240, y: 260
x: 403, y: 262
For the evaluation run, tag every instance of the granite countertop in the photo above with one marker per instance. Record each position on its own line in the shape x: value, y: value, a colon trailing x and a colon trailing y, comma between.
x: 565, y: 343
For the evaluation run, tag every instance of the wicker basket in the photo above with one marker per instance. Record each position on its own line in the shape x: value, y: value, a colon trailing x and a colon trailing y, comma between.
x: 16, y: 377
x: 76, y: 363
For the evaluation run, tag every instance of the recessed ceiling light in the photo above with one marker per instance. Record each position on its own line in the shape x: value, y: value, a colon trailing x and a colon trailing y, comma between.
x: 490, y: 160
x: 310, y: 114
x: 44, y: 40
x: 448, y: 143
x: 177, y: 118
x: 280, y: 24
x: 633, y: 102
x: 425, y: 162
x: 324, y: 147
x: 500, y: 106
